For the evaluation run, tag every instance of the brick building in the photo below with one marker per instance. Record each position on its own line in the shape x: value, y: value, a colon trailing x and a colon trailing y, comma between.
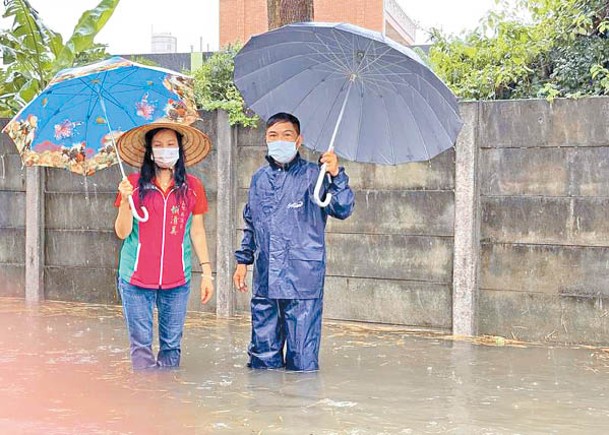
x: 240, y: 19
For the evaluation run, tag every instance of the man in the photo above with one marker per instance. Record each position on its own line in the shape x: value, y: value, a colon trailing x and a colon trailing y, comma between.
x: 284, y: 238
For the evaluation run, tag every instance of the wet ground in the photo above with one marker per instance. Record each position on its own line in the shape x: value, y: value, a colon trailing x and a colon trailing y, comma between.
x: 64, y: 369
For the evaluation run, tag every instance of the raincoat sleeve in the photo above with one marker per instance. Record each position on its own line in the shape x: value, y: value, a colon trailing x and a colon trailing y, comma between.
x: 343, y: 200
x: 245, y: 255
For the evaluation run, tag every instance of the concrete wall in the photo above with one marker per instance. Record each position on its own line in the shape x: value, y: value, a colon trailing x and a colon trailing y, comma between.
x: 510, y: 239
x: 544, y: 178
x: 80, y: 247
x: 12, y: 219
x: 391, y: 261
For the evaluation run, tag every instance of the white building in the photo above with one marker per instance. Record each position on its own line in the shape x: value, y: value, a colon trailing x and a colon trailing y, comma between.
x: 164, y: 43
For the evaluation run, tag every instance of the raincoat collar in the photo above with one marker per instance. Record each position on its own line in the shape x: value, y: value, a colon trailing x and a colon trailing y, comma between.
x: 285, y: 166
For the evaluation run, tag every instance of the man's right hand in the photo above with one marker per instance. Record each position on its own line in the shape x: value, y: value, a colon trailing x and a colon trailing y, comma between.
x: 239, y: 277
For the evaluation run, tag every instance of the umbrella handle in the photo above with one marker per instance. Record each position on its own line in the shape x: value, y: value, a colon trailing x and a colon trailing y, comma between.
x: 134, y: 212
x: 318, y: 185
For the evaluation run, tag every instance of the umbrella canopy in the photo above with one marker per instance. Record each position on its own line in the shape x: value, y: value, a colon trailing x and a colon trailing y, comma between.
x: 74, y: 122
x: 393, y: 108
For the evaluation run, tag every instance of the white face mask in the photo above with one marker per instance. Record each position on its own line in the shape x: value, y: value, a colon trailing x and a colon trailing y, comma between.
x: 165, y: 157
x: 282, y: 151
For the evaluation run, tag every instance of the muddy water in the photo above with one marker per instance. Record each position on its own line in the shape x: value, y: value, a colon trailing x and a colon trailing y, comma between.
x: 64, y: 369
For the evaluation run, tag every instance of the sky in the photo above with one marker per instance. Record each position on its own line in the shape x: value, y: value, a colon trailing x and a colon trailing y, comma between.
x: 195, y: 23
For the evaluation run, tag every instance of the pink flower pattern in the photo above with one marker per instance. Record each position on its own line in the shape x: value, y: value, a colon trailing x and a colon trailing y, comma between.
x: 65, y: 129
x: 144, y: 108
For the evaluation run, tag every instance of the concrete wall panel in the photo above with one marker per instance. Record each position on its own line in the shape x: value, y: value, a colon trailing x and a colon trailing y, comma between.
x: 544, y: 318
x: 12, y: 174
x: 390, y: 257
x: 12, y: 209
x: 417, y: 304
x: 12, y: 280
x: 547, y: 269
x: 81, y: 284
x: 12, y: 246
x: 546, y: 220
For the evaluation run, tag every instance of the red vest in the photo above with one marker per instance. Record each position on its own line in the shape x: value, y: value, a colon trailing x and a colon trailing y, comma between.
x: 157, y: 253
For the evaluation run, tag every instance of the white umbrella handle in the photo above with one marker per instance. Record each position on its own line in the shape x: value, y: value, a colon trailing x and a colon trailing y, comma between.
x: 318, y: 185
x: 134, y: 212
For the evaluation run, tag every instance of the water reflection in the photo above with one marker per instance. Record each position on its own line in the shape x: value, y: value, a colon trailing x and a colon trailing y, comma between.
x: 64, y: 368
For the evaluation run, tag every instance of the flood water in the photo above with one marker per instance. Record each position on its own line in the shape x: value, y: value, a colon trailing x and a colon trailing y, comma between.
x: 64, y: 369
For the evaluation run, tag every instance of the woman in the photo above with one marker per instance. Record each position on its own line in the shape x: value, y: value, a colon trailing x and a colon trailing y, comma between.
x: 155, y: 258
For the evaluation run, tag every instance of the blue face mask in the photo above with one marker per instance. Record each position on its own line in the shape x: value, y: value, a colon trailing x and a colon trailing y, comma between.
x: 282, y: 151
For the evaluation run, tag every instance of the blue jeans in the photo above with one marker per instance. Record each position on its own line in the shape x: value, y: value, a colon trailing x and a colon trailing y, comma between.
x: 138, y: 307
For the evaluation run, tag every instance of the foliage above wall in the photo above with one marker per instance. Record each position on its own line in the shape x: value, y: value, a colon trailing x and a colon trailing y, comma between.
x: 530, y: 49
x: 214, y: 87
x: 34, y: 53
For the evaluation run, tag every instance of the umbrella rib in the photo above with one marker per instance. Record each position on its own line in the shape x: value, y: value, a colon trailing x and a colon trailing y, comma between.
x: 90, y: 111
x: 418, y: 76
x: 373, y: 84
x: 336, y: 33
x: 345, y: 58
x: 406, y: 83
x: 72, y: 97
x: 397, y: 74
x: 290, y: 42
x: 359, y: 122
x: 327, y: 115
x: 282, y: 84
x: 269, y: 65
x: 374, y: 61
x: 109, y: 97
x: 337, y: 58
x: 312, y: 44
x: 313, y: 88
x: 389, y: 131
x: 412, y: 114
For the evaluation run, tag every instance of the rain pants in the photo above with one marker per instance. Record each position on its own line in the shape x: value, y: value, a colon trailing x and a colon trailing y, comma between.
x: 284, y: 237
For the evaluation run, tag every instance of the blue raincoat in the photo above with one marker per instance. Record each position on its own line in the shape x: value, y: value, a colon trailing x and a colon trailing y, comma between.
x: 284, y: 234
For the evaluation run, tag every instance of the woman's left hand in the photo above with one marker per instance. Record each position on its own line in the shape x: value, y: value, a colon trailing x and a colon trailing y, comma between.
x: 207, y: 289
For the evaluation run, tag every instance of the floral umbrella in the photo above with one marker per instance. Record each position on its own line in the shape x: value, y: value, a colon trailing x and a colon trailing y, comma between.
x: 74, y: 122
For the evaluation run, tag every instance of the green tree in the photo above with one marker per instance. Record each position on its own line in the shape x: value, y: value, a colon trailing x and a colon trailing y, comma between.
x: 531, y: 48
x: 214, y: 87
x: 34, y: 53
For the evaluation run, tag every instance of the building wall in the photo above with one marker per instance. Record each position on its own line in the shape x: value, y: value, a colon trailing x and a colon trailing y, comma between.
x: 240, y: 19
x: 398, y: 25
x: 543, y: 175
x: 363, y: 13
